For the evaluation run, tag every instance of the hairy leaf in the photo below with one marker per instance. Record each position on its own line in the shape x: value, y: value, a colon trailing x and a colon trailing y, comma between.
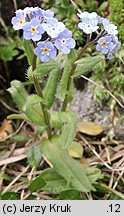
x: 69, y: 119
x: 61, y: 92
x: 41, y: 70
x: 86, y: 64
x: 32, y: 100
x: 34, y: 156
x: 49, y: 181
x: 66, y: 166
x: 51, y: 87
x: 28, y: 50
x: 34, y: 113
x: 18, y: 93
x: 20, y: 96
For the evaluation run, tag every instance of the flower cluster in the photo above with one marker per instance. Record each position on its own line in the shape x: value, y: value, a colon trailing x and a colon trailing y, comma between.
x: 107, y: 38
x: 51, y: 35
x: 46, y: 31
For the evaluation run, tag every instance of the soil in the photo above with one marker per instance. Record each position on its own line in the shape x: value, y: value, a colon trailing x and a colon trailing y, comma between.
x: 86, y: 108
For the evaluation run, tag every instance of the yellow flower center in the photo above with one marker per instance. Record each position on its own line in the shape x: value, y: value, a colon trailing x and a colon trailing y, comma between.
x: 21, y: 21
x: 104, y: 44
x: 33, y: 29
x: 45, y: 50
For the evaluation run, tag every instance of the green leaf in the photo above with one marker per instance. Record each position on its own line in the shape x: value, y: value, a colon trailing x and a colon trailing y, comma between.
x: 86, y: 64
x: 41, y: 70
x: 66, y: 166
x: 51, y: 87
x: 68, y: 133
x: 49, y: 181
x: 32, y: 100
x: 55, y: 186
x: 105, y: 188
x: 9, y: 196
x: 33, y: 110
x: 20, y: 138
x: 69, y: 195
x: 76, y: 150
x: 103, y: 6
x: 55, y: 119
x: 8, y: 52
x: 54, y: 182
x: 28, y: 50
x: 37, y: 184
x: 34, y: 156
x: 21, y: 116
x: 61, y: 92
x: 93, y: 173
x: 18, y: 93
x: 34, y: 114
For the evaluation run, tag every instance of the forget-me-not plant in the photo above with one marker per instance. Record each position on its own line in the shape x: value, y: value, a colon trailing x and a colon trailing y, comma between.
x: 45, y: 37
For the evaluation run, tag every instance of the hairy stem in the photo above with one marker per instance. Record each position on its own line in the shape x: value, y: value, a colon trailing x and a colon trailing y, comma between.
x: 39, y: 92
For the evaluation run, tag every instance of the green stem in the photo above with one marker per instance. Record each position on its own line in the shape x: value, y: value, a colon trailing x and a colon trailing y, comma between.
x: 65, y: 102
x: 39, y: 92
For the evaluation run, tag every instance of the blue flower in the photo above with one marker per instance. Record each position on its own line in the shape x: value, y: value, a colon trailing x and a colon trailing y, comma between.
x: 110, y: 55
x: 53, y: 27
x: 89, y: 22
x: 38, y: 12
x: 100, y: 19
x: 109, y: 28
x: 117, y: 43
x: 45, y: 50
x: 33, y: 30
x: 28, y: 10
x: 105, y: 44
x: 65, y: 42
x: 19, y: 20
x: 48, y: 14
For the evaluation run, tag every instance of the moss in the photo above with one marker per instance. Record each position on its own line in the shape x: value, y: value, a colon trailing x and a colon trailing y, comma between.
x: 90, y: 5
x: 117, y: 16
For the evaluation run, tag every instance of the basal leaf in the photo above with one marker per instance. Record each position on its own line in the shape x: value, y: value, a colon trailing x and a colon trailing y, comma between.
x: 9, y: 196
x: 89, y: 128
x: 76, y: 150
x: 93, y: 173
x: 69, y: 195
x: 34, y: 156
x: 66, y: 166
x: 68, y: 132
x: 49, y: 181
